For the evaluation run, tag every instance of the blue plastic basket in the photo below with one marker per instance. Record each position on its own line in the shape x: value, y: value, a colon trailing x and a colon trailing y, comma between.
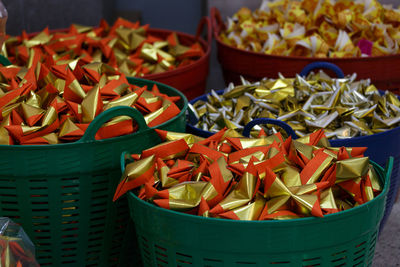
x: 380, y: 145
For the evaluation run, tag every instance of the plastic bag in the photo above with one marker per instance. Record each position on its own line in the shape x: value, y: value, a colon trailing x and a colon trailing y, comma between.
x: 3, y: 21
x: 16, y: 249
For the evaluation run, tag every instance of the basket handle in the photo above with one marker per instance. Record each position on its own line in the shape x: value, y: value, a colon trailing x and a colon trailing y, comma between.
x: 5, y: 61
x: 322, y: 65
x: 123, y: 159
x: 289, y: 130
x: 388, y: 170
x: 190, y: 117
x: 107, y: 115
x: 200, y: 27
x: 216, y: 21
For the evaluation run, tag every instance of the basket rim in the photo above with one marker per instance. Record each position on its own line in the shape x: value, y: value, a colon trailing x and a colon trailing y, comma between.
x: 357, y: 138
x: 186, y: 68
x: 334, y: 216
x: 217, y: 32
x: 108, y: 140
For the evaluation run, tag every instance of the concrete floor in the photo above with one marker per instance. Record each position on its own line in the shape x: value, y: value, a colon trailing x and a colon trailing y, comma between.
x: 387, y: 251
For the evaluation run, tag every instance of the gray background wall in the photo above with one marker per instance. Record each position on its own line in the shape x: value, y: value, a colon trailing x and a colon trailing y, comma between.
x: 228, y: 7
x: 34, y: 15
x: 181, y: 15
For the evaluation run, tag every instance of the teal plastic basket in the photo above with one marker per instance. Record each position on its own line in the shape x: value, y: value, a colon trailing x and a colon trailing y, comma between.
x: 347, y: 238
x: 62, y: 194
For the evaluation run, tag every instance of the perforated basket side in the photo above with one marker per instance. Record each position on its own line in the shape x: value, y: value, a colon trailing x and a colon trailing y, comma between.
x: 360, y: 252
x: 71, y: 220
x: 160, y: 251
x: 394, y: 188
x: 346, y: 238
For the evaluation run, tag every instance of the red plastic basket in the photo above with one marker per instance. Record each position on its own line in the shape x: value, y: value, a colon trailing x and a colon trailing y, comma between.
x: 191, y: 79
x: 384, y: 71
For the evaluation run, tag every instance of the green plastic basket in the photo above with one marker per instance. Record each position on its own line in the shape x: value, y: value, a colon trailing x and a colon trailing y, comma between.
x: 62, y: 194
x: 347, y: 238
x: 4, y: 61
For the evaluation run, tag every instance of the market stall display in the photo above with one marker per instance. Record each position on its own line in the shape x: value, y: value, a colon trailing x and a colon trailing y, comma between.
x: 103, y: 157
